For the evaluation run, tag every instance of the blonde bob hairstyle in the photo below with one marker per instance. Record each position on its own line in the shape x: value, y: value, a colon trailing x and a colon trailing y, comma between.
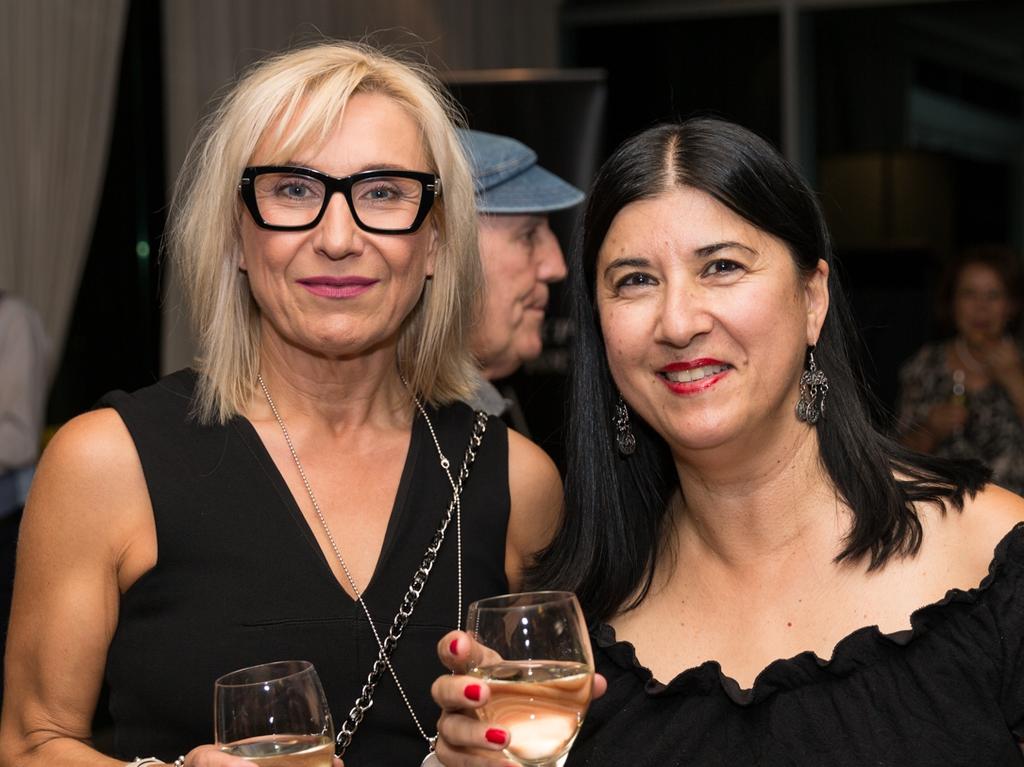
x: 290, y: 101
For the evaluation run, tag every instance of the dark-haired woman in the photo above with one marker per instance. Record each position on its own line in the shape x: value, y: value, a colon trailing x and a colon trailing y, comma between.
x: 964, y: 396
x: 771, y: 581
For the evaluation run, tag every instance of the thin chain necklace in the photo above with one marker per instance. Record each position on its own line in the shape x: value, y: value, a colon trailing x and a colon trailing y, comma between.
x: 446, y: 466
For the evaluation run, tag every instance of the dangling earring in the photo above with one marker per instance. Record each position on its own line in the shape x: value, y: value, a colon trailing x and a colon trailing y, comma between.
x: 813, y: 388
x: 624, y: 437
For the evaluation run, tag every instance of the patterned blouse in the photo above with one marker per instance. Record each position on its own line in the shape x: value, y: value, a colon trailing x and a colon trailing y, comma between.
x: 993, y: 433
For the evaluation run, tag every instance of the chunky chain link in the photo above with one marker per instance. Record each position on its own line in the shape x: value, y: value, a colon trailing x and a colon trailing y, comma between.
x: 365, y: 700
x: 387, y: 648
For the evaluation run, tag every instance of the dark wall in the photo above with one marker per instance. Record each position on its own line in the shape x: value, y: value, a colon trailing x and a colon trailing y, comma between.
x: 668, y: 69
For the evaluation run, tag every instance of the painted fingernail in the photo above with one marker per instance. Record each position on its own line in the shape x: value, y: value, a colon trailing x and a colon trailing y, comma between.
x: 453, y: 648
x: 472, y: 691
x: 496, y: 736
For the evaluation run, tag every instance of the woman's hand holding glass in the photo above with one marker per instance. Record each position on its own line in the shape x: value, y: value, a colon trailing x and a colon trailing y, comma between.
x: 523, y: 681
x: 272, y: 714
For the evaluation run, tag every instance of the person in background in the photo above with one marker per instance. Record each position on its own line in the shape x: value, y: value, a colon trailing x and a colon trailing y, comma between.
x: 24, y: 378
x: 24, y: 383
x: 520, y: 254
x: 770, y: 580
x: 964, y: 396
x: 290, y: 493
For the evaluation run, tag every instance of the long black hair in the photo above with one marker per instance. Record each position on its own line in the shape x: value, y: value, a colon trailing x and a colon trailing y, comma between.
x: 615, y: 518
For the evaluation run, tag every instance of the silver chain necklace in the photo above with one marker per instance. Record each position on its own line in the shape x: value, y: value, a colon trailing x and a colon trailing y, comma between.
x: 456, y: 489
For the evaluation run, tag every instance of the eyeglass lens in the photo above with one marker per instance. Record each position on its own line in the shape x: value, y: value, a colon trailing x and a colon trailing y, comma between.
x: 382, y: 202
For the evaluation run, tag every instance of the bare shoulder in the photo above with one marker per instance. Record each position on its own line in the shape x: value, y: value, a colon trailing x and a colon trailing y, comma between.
x: 90, y: 450
x: 535, y: 493
x: 83, y: 539
x: 89, y: 488
x: 991, y: 514
x: 995, y: 505
x: 530, y: 469
x: 970, y: 537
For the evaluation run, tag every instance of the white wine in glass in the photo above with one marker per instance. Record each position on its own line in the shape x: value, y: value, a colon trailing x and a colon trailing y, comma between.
x: 539, y: 667
x: 274, y: 714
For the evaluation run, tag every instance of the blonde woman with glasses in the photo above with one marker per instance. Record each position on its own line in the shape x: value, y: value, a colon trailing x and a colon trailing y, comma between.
x: 313, y: 488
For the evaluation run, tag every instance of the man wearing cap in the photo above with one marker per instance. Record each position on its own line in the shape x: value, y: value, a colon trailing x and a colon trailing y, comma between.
x: 520, y: 254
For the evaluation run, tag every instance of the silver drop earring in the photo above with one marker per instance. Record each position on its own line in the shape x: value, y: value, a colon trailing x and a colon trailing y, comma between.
x: 813, y: 388
x: 624, y: 436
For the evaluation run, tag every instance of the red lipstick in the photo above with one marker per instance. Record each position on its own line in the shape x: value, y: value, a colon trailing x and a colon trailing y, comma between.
x: 713, y: 372
x: 691, y: 364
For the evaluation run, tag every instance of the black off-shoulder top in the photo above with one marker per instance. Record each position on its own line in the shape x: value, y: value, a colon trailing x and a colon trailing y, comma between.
x: 949, y: 691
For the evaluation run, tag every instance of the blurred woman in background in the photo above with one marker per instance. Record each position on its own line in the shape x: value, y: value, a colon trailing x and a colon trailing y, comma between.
x: 964, y: 397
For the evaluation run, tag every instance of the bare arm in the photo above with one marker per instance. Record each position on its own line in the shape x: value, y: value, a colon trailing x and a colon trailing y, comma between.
x: 87, y: 535
x: 79, y: 537
x: 535, y: 489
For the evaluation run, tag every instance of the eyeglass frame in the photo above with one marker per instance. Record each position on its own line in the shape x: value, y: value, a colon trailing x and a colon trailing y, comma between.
x: 429, y: 182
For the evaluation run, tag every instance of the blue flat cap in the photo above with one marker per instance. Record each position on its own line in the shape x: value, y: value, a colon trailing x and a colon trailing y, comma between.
x: 508, y: 178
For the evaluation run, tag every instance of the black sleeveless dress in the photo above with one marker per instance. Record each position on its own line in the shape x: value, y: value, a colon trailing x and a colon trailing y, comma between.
x: 240, y: 579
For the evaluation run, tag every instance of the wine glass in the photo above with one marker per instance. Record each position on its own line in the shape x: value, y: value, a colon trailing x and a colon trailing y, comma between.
x: 539, y: 667
x: 274, y: 714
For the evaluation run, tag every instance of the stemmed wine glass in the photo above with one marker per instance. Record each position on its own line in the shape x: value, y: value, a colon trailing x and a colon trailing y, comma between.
x: 539, y: 667
x: 274, y: 714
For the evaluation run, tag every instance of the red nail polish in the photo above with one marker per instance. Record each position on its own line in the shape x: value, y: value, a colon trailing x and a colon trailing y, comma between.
x: 496, y: 736
x: 453, y: 648
x: 472, y: 691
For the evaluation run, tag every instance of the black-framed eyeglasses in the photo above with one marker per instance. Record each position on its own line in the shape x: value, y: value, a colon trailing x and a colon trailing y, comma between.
x: 287, y: 198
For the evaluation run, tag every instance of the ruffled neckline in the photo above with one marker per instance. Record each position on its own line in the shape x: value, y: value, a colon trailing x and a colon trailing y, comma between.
x: 863, y: 647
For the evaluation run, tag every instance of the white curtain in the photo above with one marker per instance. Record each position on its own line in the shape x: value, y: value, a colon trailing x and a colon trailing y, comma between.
x: 207, y: 42
x: 58, y: 77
